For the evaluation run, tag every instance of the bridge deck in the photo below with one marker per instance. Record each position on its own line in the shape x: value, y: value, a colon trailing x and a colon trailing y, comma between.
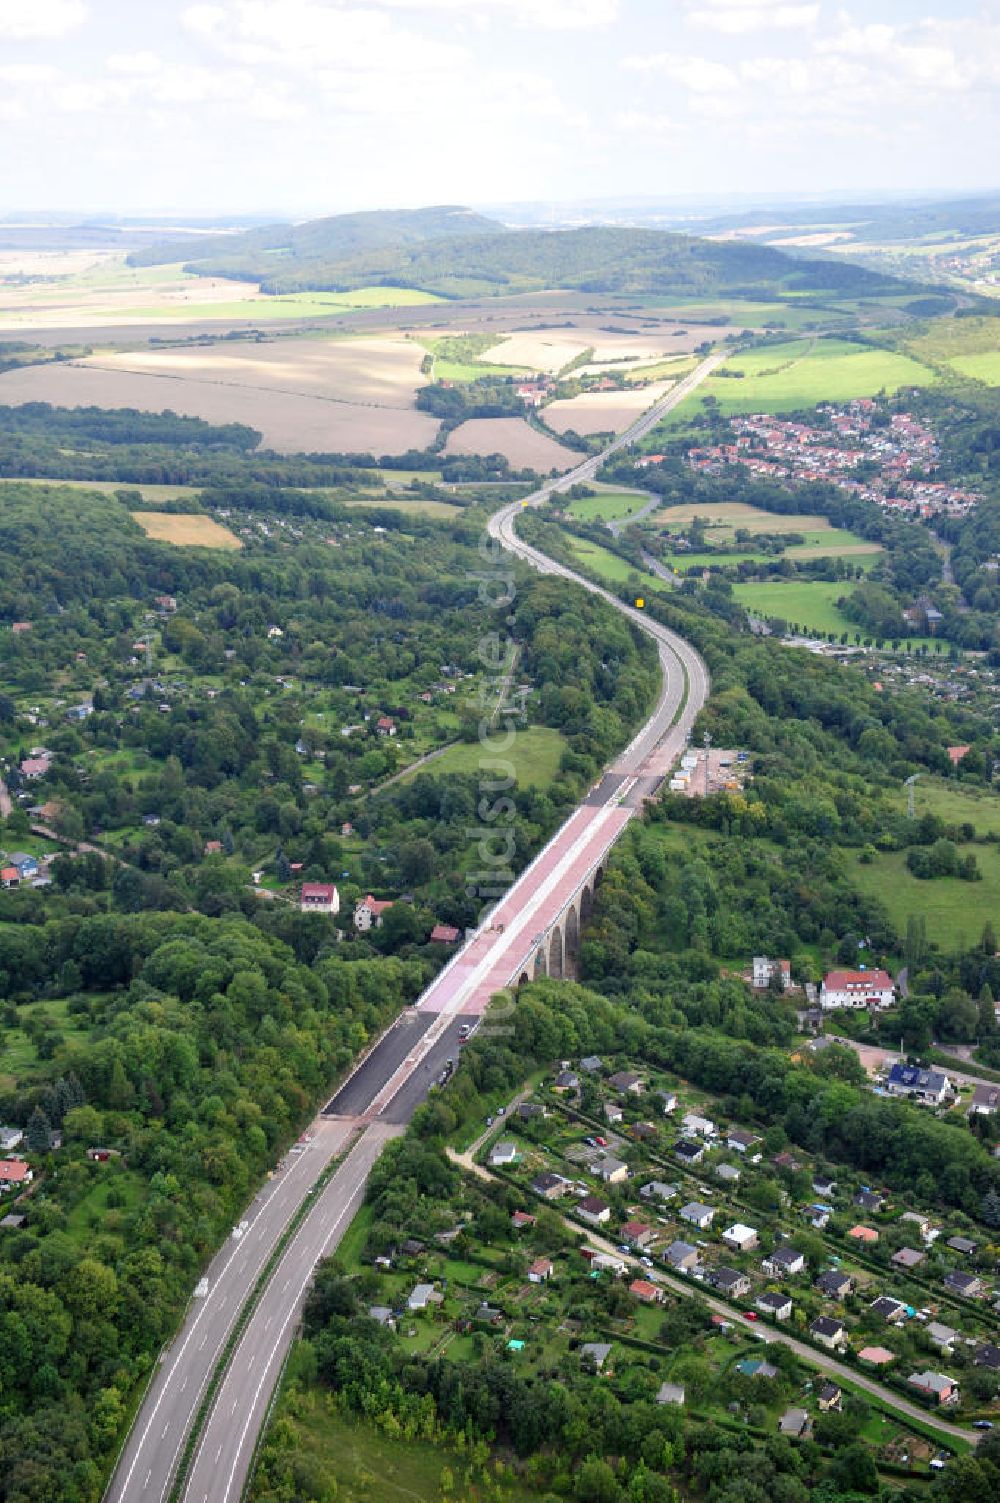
x: 496, y: 955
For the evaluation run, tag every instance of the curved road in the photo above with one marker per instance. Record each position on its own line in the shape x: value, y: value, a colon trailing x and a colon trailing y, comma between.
x: 379, y: 1098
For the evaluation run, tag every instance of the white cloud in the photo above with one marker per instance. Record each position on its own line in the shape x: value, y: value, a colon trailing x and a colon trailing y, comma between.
x: 134, y: 64
x: 702, y: 75
x: 545, y: 15
x: 740, y: 17
x: 33, y: 20
x: 312, y: 37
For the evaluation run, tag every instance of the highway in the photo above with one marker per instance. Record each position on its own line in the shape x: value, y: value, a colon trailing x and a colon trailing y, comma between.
x: 382, y: 1093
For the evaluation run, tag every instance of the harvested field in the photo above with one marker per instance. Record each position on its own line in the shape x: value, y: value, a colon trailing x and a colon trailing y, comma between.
x: 603, y: 411
x: 727, y: 515
x: 551, y: 349
x: 520, y: 444
x: 378, y: 371
x: 288, y: 420
x: 185, y: 531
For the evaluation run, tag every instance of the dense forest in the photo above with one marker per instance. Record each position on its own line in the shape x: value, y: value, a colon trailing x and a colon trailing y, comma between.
x: 480, y: 262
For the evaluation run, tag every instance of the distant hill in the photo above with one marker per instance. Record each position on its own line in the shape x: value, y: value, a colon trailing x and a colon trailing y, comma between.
x: 305, y: 250
x: 433, y: 249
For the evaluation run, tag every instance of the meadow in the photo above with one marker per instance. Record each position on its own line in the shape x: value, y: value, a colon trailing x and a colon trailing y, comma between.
x: 957, y: 803
x: 411, y: 506
x: 608, y: 565
x: 820, y: 540
x: 535, y: 753
x: 798, y: 374
x: 608, y: 506
x: 809, y: 604
x: 185, y: 530
x: 954, y: 911
x: 984, y: 366
x: 110, y: 487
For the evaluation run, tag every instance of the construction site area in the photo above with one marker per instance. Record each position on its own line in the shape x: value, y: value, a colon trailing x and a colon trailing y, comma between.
x: 711, y: 769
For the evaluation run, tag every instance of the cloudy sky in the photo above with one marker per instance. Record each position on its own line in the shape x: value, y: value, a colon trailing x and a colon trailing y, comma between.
x: 311, y: 106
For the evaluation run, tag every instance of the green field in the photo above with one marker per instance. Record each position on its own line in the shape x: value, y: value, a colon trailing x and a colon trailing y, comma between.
x: 810, y: 604
x: 955, y: 911
x: 458, y: 357
x: 800, y: 373
x: 863, y: 554
x: 956, y: 804
x: 982, y: 367
x: 608, y: 506
x: 609, y: 566
x: 535, y: 753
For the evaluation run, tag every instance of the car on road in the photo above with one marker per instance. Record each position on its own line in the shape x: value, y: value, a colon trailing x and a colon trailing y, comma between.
x: 601, y: 1142
x: 750, y: 1315
x: 982, y: 1424
x: 646, y: 1262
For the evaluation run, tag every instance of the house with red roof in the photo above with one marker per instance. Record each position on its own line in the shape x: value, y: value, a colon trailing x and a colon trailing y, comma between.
x: 319, y: 897
x: 14, y: 1173
x: 444, y: 934
x: 369, y: 911
x: 856, y: 989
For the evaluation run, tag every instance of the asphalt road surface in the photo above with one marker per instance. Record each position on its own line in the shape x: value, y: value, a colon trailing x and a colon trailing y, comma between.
x: 385, y: 1089
x: 226, y: 1449
x: 154, y: 1445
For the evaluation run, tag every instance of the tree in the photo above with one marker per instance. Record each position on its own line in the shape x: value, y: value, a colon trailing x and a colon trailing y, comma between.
x: 38, y: 1136
x: 987, y: 1024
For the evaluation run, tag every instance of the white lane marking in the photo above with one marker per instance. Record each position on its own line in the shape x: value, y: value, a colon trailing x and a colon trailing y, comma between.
x: 165, y: 1429
x: 148, y: 1475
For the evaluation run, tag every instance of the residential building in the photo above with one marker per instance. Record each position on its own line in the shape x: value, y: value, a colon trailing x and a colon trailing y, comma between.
x: 987, y: 1356
x: 740, y: 1141
x: 644, y: 1291
x: 596, y: 1352
x: 856, y: 989
x: 602, y: 1262
x: 784, y: 1262
x: 613, y: 1112
x: 941, y: 1336
x: 27, y: 866
x: 688, y: 1151
x: 907, y: 1257
x: 369, y: 911
x: 794, y: 1422
x: 828, y: 1331
x: 682, y: 1256
x: 963, y: 1245
x: 420, y: 1297
x: 540, y: 1270
x: 927, y: 1087
x: 14, y: 1172
x: 869, y: 1200
x: 765, y: 971
x: 697, y: 1214
x: 829, y: 1397
x: 657, y: 1190
x: 965, y: 1284
x: 756, y: 1367
x: 594, y: 1210
x: 383, y: 1315
x: 740, y: 1237
x: 668, y: 1101
x: 728, y: 1173
x: 985, y: 1101
x: 611, y: 1171
x: 695, y: 1125
x: 549, y: 1185
x: 866, y: 1235
x: 627, y: 1082
x: 319, y: 897
x: 776, y: 1304
x: 566, y: 1080
x: 10, y: 1138
x: 670, y: 1393
x: 730, y: 1281
x: 876, y: 1356
x: 503, y: 1153
x: 10, y: 876
x: 445, y: 934
x: 936, y: 1386
x: 593, y: 1064
x: 521, y: 1220
x: 637, y: 1233
x: 888, y: 1309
